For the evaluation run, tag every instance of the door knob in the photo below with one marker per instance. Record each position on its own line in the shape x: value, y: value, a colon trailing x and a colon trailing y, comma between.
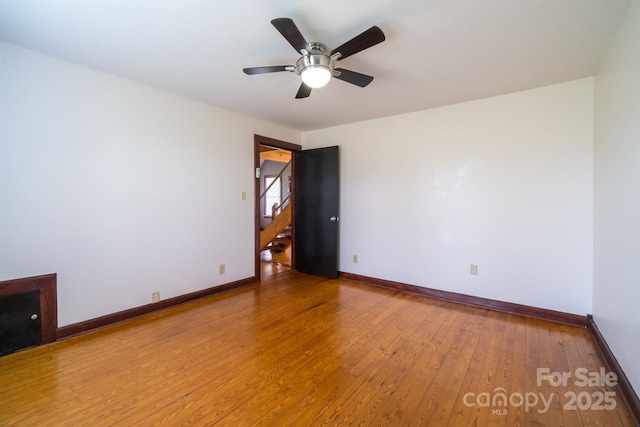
x: 334, y: 219
x: 34, y: 316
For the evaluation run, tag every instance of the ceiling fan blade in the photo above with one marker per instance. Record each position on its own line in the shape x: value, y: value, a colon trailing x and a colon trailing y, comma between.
x: 353, y: 77
x: 289, y: 31
x: 364, y: 40
x: 262, y: 70
x: 303, y: 92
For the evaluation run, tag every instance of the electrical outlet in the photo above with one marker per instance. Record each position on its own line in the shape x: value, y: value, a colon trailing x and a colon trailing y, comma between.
x: 355, y: 259
x: 244, y: 195
x: 221, y: 269
x: 473, y: 270
x: 155, y: 296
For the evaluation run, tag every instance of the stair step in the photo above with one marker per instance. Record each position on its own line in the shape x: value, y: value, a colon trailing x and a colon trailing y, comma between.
x: 276, y: 228
x: 276, y: 248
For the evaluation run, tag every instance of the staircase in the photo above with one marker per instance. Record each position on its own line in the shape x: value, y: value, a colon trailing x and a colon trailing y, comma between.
x: 281, y: 242
x: 274, y: 233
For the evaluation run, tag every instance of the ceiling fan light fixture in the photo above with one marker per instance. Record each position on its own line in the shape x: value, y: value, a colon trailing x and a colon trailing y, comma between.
x: 316, y: 76
x: 315, y: 67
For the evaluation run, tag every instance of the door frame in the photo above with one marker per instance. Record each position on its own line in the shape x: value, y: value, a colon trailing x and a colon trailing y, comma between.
x: 259, y: 140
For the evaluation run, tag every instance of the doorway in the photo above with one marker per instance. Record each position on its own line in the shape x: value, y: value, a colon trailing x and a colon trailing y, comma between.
x: 275, y: 166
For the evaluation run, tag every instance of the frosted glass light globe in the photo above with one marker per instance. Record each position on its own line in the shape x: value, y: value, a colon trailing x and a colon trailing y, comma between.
x: 316, y: 76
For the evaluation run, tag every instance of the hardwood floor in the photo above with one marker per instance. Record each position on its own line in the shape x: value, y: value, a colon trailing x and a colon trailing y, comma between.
x: 302, y: 350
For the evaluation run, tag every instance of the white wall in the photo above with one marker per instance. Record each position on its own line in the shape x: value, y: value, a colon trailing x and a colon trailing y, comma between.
x: 504, y: 183
x: 617, y: 196
x: 119, y: 188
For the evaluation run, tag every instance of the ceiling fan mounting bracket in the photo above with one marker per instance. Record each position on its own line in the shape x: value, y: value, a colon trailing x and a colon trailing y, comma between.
x: 315, y: 47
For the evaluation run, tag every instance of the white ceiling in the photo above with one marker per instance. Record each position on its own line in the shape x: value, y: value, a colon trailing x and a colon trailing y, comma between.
x: 437, y: 52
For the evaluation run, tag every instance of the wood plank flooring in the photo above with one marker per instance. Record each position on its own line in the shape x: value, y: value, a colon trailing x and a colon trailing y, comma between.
x: 299, y: 350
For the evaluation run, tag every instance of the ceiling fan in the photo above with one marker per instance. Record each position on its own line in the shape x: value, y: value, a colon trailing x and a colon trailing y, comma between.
x: 316, y: 66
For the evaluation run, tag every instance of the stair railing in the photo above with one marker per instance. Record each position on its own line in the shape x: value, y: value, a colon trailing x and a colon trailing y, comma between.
x: 264, y: 193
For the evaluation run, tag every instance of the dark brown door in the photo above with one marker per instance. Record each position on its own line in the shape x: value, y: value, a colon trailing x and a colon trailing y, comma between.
x: 19, y: 321
x: 316, y: 211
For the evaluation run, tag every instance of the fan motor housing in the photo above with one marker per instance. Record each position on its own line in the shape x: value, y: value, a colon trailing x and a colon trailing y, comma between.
x: 315, y: 57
